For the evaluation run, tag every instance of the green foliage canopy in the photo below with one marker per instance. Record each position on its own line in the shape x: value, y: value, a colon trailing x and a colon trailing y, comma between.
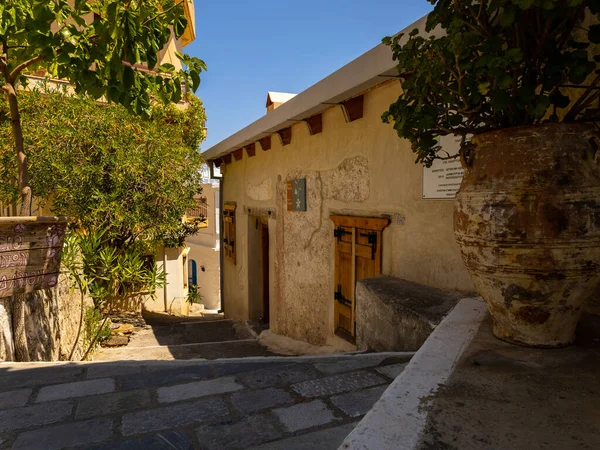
x: 128, y: 176
x: 105, y: 48
x: 492, y: 64
x: 97, y: 46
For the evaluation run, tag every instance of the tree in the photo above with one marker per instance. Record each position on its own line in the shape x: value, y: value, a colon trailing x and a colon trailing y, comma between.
x: 127, y: 181
x: 494, y: 64
x: 129, y: 176
x: 100, y: 57
x: 98, y: 47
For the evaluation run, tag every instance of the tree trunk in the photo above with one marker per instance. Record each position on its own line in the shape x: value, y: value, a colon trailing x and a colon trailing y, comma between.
x: 15, y: 117
x: 18, y: 309
x: 18, y: 322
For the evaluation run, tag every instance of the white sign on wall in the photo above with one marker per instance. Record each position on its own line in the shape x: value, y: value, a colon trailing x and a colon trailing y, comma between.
x: 443, y: 178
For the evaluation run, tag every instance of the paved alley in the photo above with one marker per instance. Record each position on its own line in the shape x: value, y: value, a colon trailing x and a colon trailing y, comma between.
x: 268, y: 403
x: 164, y: 337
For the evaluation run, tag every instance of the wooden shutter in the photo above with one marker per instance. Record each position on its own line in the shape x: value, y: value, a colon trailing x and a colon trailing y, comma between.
x: 357, y: 256
x: 229, y: 231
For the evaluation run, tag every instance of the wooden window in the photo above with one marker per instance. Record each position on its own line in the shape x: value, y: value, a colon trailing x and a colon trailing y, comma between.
x: 185, y: 271
x: 229, y: 231
x: 357, y: 256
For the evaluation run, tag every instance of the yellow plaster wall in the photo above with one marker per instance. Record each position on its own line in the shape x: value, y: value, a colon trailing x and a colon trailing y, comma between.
x: 360, y: 168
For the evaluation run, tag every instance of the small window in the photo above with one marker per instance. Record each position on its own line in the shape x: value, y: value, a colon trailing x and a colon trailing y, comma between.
x: 229, y: 231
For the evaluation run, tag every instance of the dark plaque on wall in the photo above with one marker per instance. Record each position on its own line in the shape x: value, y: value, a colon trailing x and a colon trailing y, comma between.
x: 296, y: 195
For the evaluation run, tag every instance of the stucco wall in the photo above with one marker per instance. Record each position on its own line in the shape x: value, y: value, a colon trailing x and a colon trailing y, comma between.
x: 204, y: 249
x: 207, y: 258
x: 360, y: 168
x: 173, y: 296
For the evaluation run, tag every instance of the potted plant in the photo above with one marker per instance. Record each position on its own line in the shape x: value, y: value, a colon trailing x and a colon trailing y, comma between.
x: 518, y: 81
x: 108, y: 49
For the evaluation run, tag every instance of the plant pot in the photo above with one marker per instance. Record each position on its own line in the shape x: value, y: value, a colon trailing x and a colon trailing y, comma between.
x: 527, y: 219
x: 30, y: 252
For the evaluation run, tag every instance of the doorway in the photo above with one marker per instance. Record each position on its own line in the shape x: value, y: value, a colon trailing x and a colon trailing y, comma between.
x: 265, y: 272
x: 192, y: 273
x: 258, y: 270
x: 357, y: 256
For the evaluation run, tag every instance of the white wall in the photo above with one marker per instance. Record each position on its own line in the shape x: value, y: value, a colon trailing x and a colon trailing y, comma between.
x: 204, y: 250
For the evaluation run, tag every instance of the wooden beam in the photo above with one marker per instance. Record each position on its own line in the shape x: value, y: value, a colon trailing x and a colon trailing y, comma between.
x: 217, y: 162
x: 265, y: 143
x: 226, y: 158
x: 367, y: 223
x: 238, y: 154
x: 251, y: 149
x: 314, y: 124
x: 285, y: 135
x: 353, y: 108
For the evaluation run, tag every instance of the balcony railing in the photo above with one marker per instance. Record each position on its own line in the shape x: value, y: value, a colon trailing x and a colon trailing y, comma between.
x: 199, y: 212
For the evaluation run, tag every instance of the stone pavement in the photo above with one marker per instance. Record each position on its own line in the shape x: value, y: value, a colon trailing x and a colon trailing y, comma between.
x: 271, y: 403
x: 186, y: 339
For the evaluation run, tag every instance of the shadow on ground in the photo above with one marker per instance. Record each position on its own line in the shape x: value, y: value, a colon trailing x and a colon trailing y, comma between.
x: 165, y: 337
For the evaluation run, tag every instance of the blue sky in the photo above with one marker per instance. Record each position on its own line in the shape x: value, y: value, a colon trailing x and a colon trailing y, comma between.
x: 252, y: 47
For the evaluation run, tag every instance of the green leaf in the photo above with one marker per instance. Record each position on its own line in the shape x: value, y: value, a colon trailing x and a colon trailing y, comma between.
x: 579, y: 72
x: 594, y: 34
x: 180, y: 26
x: 195, y: 80
x: 165, y: 68
x: 508, y: 17
x: 515, y: 55
x: 540, y: 107
x: 505, y: 81
x: 560, y: 100
x: 484, y: 88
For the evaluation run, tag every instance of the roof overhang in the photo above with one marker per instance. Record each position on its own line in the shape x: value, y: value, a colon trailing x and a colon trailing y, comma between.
x: 189, y: 35
x: 368, y: 70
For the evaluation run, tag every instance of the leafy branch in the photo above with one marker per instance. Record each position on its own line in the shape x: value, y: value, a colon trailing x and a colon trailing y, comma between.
x: 497, y: 64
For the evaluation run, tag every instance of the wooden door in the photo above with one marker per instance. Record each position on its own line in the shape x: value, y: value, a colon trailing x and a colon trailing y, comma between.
x: 265, y: 271
x: 357, y: 256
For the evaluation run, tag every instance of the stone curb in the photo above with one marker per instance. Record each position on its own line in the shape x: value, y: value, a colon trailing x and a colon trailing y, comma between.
x: 249, y: 359
x: 397, y: 420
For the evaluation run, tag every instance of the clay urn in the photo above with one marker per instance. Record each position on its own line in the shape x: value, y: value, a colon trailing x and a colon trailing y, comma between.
x: 527, y: 219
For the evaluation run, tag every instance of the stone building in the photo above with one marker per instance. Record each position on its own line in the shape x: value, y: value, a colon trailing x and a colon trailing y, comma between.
x: 320, y: 193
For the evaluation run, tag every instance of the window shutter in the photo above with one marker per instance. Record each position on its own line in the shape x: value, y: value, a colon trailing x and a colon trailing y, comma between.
x: 229, y: 231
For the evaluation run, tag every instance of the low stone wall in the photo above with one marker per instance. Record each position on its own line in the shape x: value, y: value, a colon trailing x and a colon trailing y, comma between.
x: 398, y: 315
x: 52, y: 319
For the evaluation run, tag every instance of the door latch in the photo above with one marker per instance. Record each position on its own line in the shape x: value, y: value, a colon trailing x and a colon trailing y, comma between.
x: 337, y: 295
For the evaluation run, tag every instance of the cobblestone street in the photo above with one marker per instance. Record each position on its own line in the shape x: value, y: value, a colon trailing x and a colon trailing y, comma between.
x: 264, y: 403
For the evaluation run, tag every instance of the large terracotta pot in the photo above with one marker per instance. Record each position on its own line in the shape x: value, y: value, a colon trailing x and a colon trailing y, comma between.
x: 527, y: 219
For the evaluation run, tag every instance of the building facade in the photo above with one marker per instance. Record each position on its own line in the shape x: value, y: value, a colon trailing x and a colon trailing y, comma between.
x: 318, y: 194
x: 195, y: 264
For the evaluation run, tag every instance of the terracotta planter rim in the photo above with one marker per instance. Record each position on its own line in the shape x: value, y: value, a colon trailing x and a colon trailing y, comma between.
x: 34, y: 219
x: 522, y: 128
